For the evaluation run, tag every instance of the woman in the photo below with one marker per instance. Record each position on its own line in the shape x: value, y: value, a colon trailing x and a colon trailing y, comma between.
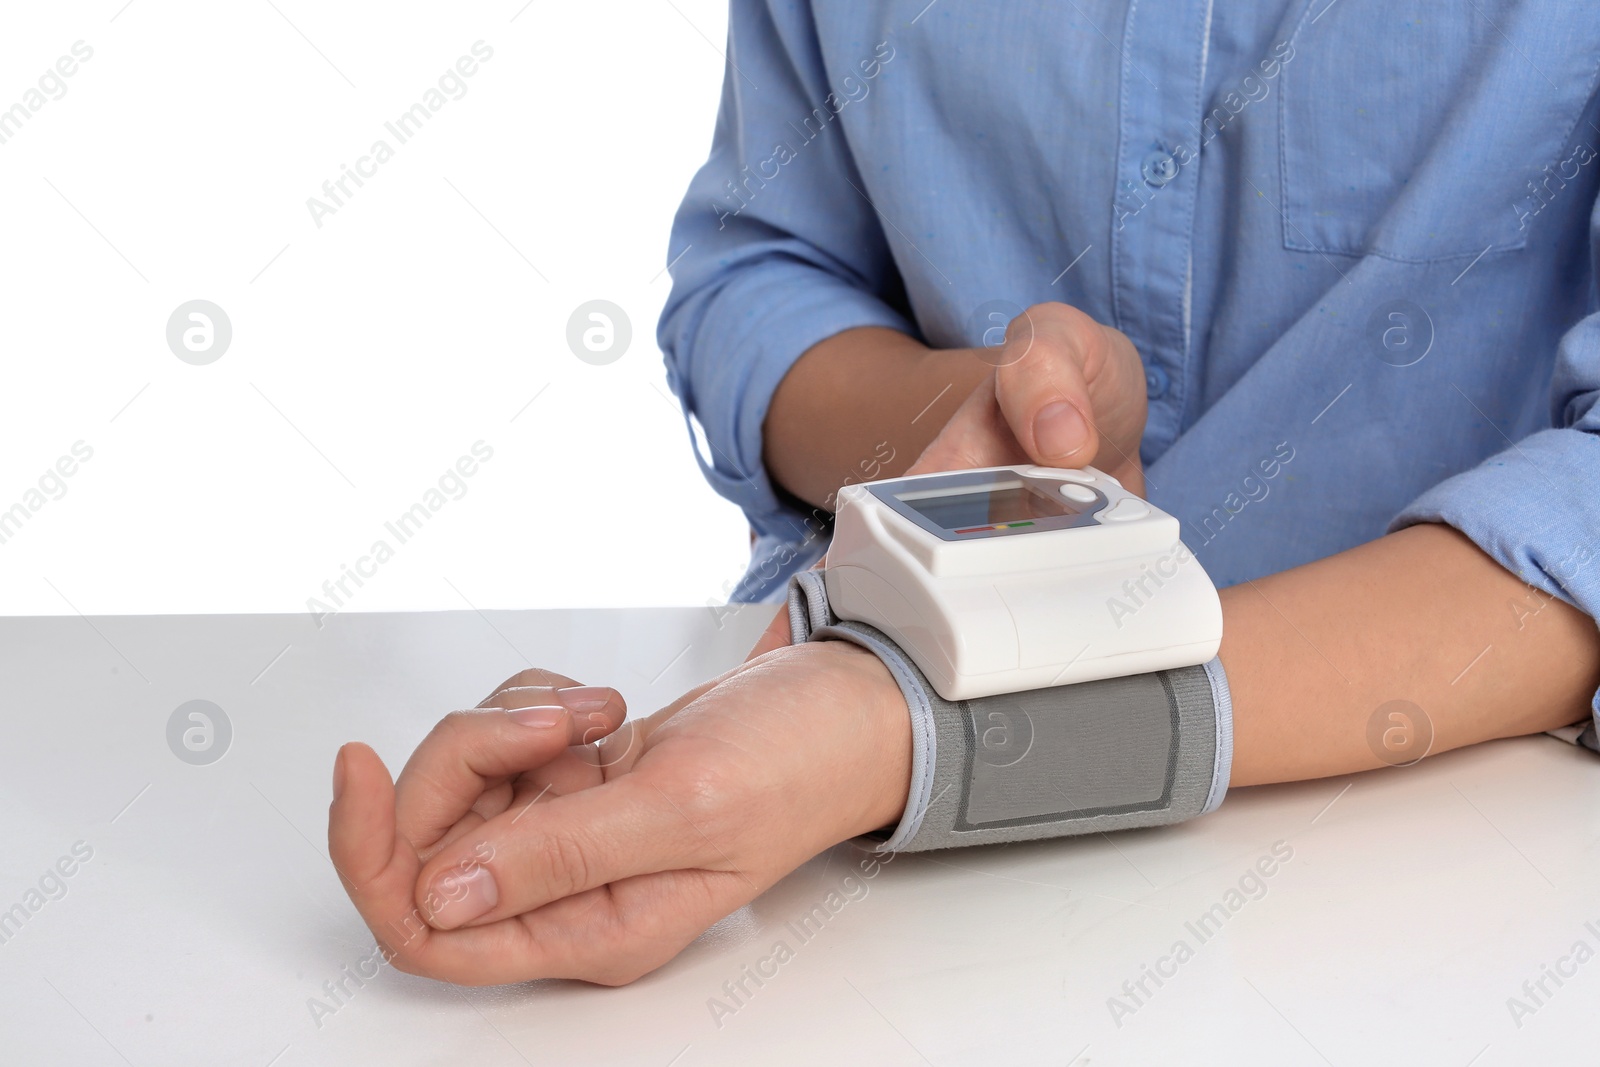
x: 1318, y: 280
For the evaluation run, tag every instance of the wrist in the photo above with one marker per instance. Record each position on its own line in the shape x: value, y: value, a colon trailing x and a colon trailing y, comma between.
x: 882, y: 734
x: 859, y: 406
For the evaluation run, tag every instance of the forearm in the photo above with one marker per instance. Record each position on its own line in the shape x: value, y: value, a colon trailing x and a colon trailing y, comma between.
x: 861, y: 405
x: 1421, y: 615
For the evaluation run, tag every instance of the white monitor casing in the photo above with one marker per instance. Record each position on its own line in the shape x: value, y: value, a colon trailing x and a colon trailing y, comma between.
x: 1028, y: 608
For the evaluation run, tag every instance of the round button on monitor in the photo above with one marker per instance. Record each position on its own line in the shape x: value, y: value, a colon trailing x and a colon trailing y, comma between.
x: 1081, y: 493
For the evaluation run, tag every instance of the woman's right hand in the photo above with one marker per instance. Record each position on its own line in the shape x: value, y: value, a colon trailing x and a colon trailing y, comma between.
x: 1066, y: 391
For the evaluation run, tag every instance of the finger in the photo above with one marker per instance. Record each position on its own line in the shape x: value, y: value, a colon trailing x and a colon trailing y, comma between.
x: 575, y: 769
x: 610, y: 935
x: 377, y: 866
x: 577, y: 937
x: 521, y: 791
x: 572, y: 770
x: 467, y: 824
x: 625, y: 828
x: 536, y: 677
x: 977, y: 435
x: 619, y: 932
x: 471, y: 751
x: 1044, y: 392
x: 587, y: 766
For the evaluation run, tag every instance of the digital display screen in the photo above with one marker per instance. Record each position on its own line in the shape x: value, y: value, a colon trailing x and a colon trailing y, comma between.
x: 984, y: 507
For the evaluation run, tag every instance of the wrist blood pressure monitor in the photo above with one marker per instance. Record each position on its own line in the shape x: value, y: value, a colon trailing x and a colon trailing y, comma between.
x: 1054, y: 639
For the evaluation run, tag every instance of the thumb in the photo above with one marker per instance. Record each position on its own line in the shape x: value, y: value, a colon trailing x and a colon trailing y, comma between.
x: 367, y: 852
x: 1043, y: 391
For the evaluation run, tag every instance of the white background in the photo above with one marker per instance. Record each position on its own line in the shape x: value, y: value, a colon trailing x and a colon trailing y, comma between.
x: 372, y: 352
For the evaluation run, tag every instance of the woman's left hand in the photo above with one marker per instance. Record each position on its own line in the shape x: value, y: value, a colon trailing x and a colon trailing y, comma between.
x: 505, y: 854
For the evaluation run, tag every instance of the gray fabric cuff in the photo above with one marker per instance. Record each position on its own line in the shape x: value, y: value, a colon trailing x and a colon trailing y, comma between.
x: 1113, y: 754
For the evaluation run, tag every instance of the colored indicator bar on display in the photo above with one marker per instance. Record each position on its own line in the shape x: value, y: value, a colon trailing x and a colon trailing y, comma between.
x: 999, y: 526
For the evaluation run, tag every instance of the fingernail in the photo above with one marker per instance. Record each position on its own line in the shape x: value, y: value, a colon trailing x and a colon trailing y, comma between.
x: 540, y: 716
x: 338, y: 774
x: 584, y: 697
x: 1059, y: 430
x: 466, y: 896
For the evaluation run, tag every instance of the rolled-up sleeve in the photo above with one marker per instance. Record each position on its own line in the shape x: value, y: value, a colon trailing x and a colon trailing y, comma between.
x: 1535, y: 506
x: 775, y: 248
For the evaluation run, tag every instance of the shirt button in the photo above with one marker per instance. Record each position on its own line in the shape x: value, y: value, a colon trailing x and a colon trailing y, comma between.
x: 1159, y: 168
x: 1155, y: 382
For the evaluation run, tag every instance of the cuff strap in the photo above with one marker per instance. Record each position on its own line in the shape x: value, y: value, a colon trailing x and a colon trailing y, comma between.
x: 1112, y: 754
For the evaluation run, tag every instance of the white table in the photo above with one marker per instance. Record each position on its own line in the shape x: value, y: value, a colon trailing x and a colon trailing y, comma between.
x: 1415, y: 903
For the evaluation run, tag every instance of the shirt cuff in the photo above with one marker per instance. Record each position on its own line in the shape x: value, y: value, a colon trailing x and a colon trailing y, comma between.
x: 773, y: 561
x: 782, y: 310
x: 1533, y: 509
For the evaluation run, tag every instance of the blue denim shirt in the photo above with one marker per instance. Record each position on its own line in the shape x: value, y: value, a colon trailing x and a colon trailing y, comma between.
x: 1353, y: 241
